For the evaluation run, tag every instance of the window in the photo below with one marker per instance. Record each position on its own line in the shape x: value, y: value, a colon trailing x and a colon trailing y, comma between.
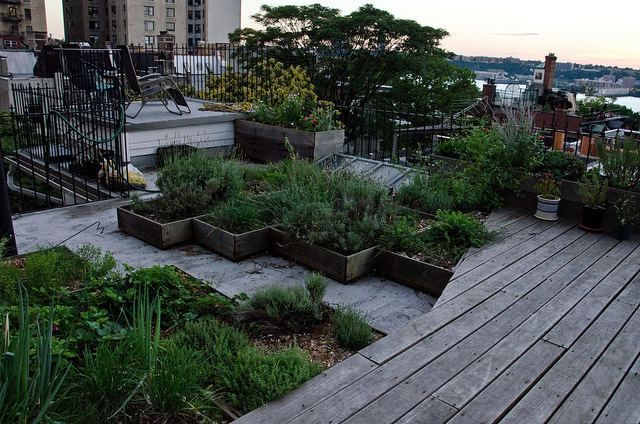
x: 148, y: 11
x: 148, y: 26
x: 190, y: 28
x: 10, y: 44
x: 93, y: 25
x: 113, y: 10
x: 171, y: 13
x: 94, y: 39
x: 171, y: 26
x: 171, y: 1
x: 149, y: 39
x: 106, y: 11
x: 196, y: 2
x: 114, y: 25
x: 124, y: 8
x: 29, y: 28
x: 69, y: 24
x: 114, y: 40
x: 27, y: 14
x: 26, y: 1
x: 92, y: 11
x: 197, y: 28
x: 189, y: 2
x: 197, y: 14
x: 190, y: 14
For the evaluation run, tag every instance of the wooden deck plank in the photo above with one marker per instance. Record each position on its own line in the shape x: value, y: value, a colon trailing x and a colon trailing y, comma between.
x: 623, y: 407
x: 458, y: 391
x: 500, y: 218
x: 592, y: 393
x: 513, y: 235
x: 574, y: 323
x: 504, y: 392
x: 540, y: 403
x: 534, y: 250
x: 403, y: 397
x: 420, y: 328
x: 311, y: 392
x: 428, y: 412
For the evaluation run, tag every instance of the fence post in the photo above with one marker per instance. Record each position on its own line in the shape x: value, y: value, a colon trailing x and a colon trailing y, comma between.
x: 6, y: 223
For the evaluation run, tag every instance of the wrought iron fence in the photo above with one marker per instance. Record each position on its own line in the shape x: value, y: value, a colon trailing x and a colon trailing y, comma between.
x: 69, y: 143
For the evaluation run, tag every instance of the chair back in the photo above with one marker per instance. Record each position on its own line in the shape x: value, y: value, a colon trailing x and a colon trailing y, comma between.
x: 126, y: 63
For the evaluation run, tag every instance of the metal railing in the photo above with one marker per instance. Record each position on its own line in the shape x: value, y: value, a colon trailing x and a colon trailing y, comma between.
x: 69, y: 143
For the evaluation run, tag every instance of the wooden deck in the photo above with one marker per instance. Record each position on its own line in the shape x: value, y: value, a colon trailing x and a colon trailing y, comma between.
x: 541, y: 326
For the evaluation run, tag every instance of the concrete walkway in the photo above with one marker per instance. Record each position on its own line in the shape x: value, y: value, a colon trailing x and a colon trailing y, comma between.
x: 389, y: 306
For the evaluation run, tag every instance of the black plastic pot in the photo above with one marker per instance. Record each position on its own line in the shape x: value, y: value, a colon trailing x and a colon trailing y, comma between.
x: 592, y: 218
x: 621, y: 232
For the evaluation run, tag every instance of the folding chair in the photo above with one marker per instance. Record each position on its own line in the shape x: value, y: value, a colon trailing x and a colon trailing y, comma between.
x: 151, y: 87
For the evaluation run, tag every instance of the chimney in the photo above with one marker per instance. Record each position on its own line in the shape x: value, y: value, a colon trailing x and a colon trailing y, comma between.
x: 549, y: 72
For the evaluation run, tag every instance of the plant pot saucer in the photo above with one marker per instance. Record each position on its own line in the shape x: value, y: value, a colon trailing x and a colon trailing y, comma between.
x: 591, y: 230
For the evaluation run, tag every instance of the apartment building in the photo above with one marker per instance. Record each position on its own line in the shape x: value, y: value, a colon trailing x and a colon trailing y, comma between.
x: 141, y: 22
x: 23, y: 24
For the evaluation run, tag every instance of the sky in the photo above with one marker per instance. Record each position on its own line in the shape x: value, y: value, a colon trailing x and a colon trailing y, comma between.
x: 527, y: 30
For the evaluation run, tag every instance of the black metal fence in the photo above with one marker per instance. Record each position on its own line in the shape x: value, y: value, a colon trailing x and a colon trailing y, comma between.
x: 69, y: 143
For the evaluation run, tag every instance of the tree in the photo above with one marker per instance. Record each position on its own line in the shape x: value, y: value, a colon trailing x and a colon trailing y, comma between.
x: 347, y: 57
x: 434, y: 85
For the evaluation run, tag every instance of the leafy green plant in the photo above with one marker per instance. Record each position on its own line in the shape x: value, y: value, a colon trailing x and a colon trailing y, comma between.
x: 620, y: 162
x: 400, y: 236
x: 191, y: 185
x: 592, y: 189
x: 563, y: 166
x: 547, y: 186
x: 626, y: 209
x: 455, y: 232
x: 299, y: 113
x: 28, y: 391
x: 350, y: 329
x: 282, y: 309
x: 238, y: 216
x: 316, y: 285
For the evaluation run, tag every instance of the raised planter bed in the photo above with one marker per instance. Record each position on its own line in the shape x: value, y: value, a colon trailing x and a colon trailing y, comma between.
x: 334, y: 265
x: 230, y: 245
x: 153, y: 232
x: 265, y: 143
x: 411, y: 272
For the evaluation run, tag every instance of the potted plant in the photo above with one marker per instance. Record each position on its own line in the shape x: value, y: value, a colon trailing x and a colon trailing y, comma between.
x: 592, y: 190
x: 189, y: 187
x: 626, y: 216
x: 548, y: 189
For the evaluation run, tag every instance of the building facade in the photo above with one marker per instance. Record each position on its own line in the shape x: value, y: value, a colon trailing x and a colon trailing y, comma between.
x: 141, y: 22
x: 23, y: 24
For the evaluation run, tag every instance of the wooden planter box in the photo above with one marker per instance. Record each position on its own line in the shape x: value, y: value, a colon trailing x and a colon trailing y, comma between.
x: 229, y: 245
x: 265, y: 143
x: 152, y: 232
x: 411, y: 272
x: 334, y: 265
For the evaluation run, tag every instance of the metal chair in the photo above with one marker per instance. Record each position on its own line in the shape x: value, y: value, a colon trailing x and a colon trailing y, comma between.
x: 151, y: 87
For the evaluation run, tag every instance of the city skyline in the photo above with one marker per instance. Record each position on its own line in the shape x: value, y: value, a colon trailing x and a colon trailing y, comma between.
x: 526, y: 31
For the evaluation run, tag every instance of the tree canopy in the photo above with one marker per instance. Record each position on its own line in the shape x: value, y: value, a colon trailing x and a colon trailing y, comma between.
x: 347, y: 57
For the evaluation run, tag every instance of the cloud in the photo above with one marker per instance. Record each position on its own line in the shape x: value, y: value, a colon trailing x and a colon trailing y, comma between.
x: 518, y: 34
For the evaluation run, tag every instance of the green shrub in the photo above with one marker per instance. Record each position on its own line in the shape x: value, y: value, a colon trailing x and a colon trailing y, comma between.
x: 592, y: 189
x: 316, y: 285
x: 244, y: 375
x: 350, y: 328
x: 563, y: 166
x: 256, y: 379
x: 620, y: 162
x: 191, y: 185
x: 238, y: 216
x: 175, y: 385
x: 400, y: 236
x: 455, y: 232
x: 281, y: 309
